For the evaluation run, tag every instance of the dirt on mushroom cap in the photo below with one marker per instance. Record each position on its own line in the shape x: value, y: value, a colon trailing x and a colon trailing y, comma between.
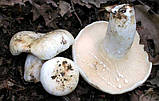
x: 59, y: 76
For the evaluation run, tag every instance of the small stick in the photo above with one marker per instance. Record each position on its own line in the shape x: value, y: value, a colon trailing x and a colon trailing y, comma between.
x: 146, y: 6
x: 72, y: 5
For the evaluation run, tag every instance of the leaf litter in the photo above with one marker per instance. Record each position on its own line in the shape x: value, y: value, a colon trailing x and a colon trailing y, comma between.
x: 46, y: 15
x: 148, y: 28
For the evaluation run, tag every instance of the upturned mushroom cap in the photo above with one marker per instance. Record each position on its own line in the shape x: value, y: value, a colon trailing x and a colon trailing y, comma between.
x: 21, y: 41
x: 52, y: 44
x: 59, y: 76
x: 111, y: 75
x: 32, y: 69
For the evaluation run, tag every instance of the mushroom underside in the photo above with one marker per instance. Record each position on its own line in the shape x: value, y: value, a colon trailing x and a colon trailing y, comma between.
x: 111, y: 75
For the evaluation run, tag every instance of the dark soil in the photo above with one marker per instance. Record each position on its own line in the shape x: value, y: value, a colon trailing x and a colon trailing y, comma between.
x: 22, y: 17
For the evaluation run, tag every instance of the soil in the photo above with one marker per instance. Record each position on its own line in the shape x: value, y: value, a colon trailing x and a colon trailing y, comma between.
x: 22, y: 17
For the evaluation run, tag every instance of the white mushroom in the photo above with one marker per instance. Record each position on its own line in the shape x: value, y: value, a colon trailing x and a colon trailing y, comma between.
x: 21, y: 41
x: 59, y: 76
x: 32, y: 69
x: 109, y: 55
x: 44, y: 46
x: 52, y: 44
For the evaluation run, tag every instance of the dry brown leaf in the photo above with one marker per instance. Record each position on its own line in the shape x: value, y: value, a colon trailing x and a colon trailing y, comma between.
x: 81, y: 3
x: 45, y: 11
x: 149, y: 95
x: 35, y: 11
x: 12, y: 2
x: 6, y: 84
x: 155, y: 60
x: 64, y: 7
x: 155, y: 80
x: 95, y: 2
x: 51, y: 2
x: 134, y: 97
x: 149, y: 31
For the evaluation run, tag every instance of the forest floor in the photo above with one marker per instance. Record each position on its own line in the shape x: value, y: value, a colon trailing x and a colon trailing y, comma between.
x: 72, y: 15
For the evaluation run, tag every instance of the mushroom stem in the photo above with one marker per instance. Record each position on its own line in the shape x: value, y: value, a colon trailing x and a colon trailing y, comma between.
x: 121, y: 30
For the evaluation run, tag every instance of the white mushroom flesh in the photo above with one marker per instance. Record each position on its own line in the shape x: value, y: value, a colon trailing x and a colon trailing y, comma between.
x: 21, y: 41
x: 120, y: 31
x: 59, y: 76
x: 52, y: 44
x: 32, y: 69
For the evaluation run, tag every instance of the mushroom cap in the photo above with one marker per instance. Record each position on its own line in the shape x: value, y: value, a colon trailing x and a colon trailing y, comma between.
x: 52, y: 44
x: 59, y: 76
x: 21, y: 41
x: 110, y: 75
x: 32, y: 68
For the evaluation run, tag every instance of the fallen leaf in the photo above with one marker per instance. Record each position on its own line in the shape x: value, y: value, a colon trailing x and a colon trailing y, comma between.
x: 64, y: 7
x: 6, y: 84
x: 149, y: 31
x: 155, y: 80
x: 134, y: 97
x: 45, y: 11
x: 155, y: 60
x: 81, y: 3
x: 149, y: 95
x: 51, y: 2
x: 35, y: 11
x: 12, y: 2
x: 95, y: 2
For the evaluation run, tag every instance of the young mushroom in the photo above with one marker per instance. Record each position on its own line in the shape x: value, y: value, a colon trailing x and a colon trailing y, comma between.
x: 109, y: 55
x: 32, y: 68
x: 44, y: 46
x: 59, y: 76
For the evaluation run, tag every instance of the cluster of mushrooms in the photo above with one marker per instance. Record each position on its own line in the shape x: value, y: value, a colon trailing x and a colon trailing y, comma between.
x: 59, y: 76
x: 107, y: 55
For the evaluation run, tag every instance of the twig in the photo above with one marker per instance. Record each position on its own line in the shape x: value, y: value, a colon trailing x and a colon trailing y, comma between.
x: 72, y: 5
x: 146, y: 6
x: 101, y: 10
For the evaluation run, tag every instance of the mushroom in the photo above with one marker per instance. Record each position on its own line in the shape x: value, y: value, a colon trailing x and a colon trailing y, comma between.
x: 109, y: 55
x: 21, y: 41
x: 59, y: 76
x: 44, y: 46
x: 32, y: 69
x: 52, y: 44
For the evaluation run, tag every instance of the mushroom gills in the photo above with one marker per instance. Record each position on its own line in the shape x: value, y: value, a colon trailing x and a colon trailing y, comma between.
x: 109, y: 55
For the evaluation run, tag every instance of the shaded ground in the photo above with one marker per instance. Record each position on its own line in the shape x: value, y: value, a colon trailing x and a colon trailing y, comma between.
x: 44, y: 16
